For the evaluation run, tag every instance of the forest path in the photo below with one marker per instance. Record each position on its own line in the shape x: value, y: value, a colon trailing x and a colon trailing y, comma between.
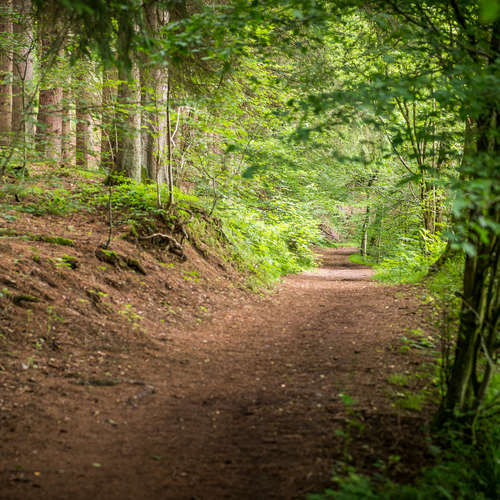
x: 244, y: 407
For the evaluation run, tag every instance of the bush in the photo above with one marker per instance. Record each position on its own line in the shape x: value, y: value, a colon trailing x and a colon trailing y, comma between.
x: 267, y: 246
x: 411, y: 259
x: 462, y: 471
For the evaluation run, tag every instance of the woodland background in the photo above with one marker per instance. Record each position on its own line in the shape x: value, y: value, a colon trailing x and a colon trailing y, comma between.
x: 283, y: 124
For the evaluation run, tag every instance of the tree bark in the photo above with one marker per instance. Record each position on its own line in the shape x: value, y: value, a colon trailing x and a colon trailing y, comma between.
x: 67, y: 139
x: 128, y: 117
x: 83, y: 120
x: 5, y: 74
x: 364, y: 233
x: 366, y: 222
x: 154, y: 92
x: 22, y: 98
x: 49, y: 118
x: 108, y: 126
x: 128, y: 122
x: 49, y: 123
x: 170, y: 172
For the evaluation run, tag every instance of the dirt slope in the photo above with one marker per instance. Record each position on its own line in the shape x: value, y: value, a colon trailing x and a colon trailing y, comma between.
x: 244, y: 405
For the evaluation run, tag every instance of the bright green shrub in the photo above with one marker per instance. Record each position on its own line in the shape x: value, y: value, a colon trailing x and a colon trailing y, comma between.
x: 269, y: 247
x: 411, y: 259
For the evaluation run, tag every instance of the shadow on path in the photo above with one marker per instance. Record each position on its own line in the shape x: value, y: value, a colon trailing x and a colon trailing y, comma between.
x: 246, y: 406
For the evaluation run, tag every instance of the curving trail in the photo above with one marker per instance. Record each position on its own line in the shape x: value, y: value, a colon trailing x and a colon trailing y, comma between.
x: 245, y: 407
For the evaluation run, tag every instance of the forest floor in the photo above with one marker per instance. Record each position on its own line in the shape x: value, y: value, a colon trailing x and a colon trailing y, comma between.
x: 255, y: 397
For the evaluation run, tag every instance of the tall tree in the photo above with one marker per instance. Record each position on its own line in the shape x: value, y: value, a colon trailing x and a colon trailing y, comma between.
x: 153, y: 83
x: 83, y: 119
x: 128, y: 124
x: 128, y: 117
x: 49, y: 118
x: 67, y: 137
x: 108, y: 116
x: 453, y: 36
x: 5, y: 72
x: 22, y: 92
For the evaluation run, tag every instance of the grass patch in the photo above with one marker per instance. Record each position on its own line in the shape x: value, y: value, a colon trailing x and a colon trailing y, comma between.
x: 357, y: 258
x: 408, y: 400
x: 399, y: 379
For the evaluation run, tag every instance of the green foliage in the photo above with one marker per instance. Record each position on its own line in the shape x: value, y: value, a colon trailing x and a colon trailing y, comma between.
x: 398, y: 379
x: 357, y: 258
x: 134, y: 200
x: 462, y: 471
x: 408, y: 400
x: 68, y: 261
x: 44, y: 200
x: 490, y: 10
x: 417, y: 339
x: 266, y: 246
x: 446, y: 285
x: 411, y: 259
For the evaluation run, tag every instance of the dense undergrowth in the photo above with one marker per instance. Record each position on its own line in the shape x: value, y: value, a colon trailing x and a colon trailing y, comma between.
x: 265, y: 243
x: 461, y: 471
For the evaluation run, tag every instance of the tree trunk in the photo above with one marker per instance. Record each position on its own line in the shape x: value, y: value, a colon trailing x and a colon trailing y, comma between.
x: 128, y: 122
x: 151, y: 95
x: 22, y: 98
x: 108, y: 126
x: 49, y: 118
x: 428, y: 202
x: 154, y: 127
x: 128, y: 117
x: 375, y: 240
x: 154, y: 92
x: 366, y: 222
x: 49, y: 123
x: 170, y: 172
x: 5, y: 74
x: 477, y: 323
x: 83, y: 119
x: 66, y: 135
x: 364, y: 233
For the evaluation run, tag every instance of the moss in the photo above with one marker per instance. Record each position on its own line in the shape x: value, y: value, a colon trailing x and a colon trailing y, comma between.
x: 135, y: 265
x: 133, y: 231
x: 19, y: 299
x: 111, y: 257
x: 70, y: 261
x: 56, y: 240
x: 108, y: 256
x: 93, y: 295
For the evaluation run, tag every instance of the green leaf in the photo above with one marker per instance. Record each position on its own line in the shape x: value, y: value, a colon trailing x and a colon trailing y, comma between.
x: 490, y: 10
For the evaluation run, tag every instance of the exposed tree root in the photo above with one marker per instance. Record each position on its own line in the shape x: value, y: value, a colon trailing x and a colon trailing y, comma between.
x: 172, y: 244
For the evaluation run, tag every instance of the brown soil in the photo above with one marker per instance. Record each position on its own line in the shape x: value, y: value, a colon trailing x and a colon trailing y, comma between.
x: 179, y: 385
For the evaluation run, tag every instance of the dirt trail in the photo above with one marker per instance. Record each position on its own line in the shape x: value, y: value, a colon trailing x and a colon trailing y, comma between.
x: 244, y: 407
